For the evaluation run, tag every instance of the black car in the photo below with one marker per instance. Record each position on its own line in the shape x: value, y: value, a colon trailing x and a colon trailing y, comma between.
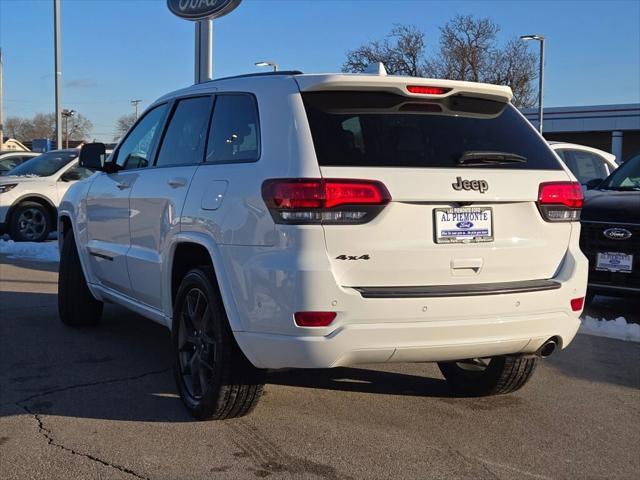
x: 610, y: 235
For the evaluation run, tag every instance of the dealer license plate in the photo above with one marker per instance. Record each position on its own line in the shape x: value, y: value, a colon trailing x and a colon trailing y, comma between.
x: 614, y: 262
x: 463, y: 225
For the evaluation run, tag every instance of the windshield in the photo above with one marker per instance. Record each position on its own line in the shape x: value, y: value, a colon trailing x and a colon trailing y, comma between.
x: 380, y: 129
x: 7, y: 164
x: 45, y: 164
x: 626, y: 177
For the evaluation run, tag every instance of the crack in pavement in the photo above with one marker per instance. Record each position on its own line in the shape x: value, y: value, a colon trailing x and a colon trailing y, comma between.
x: 48, y: 434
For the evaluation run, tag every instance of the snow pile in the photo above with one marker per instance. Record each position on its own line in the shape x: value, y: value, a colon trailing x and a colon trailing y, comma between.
x: 43, y: 252
x: 618, y: 328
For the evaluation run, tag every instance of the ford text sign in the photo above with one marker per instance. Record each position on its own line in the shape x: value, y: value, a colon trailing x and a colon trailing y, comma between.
x: 201, y: 9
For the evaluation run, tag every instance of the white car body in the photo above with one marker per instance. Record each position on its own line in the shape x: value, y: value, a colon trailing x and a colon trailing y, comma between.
x: 46, y: 190
x: 128, y: 226
x: 586, y: 163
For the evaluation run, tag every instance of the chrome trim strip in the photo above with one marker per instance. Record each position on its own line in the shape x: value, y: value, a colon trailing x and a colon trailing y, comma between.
x: 458, y: 290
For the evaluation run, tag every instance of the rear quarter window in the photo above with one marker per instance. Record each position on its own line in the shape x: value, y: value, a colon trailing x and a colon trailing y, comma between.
x: 380, y: 129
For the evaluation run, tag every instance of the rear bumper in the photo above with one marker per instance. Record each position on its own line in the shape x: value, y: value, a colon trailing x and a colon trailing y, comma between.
x: 409, y: 342
x: 613, y: 290
x: 269, y: 285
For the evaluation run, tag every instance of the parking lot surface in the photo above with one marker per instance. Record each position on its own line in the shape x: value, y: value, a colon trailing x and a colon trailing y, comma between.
x: 101, y: 403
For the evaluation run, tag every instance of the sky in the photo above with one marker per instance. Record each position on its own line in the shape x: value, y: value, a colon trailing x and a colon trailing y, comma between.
x: 114, y: 51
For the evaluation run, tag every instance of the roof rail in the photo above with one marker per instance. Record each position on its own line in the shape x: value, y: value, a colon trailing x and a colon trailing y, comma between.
x: 259, y: 74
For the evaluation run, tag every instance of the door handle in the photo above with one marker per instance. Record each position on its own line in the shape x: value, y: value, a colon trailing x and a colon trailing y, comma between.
x: 177, y: 182
x: 122, y: 185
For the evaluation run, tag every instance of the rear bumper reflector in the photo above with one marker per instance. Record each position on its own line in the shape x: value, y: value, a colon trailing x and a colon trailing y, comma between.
x: 458, y: 290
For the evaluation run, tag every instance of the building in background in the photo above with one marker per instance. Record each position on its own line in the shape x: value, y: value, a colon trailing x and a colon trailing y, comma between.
x: 612, y: 128
x: 7, y: 143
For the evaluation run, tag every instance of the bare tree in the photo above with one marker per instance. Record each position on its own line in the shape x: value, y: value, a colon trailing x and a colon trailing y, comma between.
x: 402, y: 53
x: 43, y: 125
x: 123, y: 124
x: 14, y: 127
x: 468, y: 51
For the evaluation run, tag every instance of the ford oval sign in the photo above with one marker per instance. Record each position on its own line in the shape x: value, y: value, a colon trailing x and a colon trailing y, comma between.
x: 202, y: 9
x: 464, y: 225
x: 617, y: 233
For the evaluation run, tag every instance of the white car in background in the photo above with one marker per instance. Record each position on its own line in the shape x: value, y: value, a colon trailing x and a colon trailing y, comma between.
x: 589, y: 165
x: 31, y: 192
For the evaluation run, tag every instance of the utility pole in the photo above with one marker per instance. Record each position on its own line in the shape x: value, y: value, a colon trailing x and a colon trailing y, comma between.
x: 135, y: 106
x: 1, y: 109
x: 58, y: 74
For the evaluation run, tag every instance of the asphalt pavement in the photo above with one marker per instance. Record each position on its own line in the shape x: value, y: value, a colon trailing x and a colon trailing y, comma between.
x: 100, y: 403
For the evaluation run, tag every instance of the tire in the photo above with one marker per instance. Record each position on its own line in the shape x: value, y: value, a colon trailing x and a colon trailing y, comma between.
x: 76, y: 305
x: 500, y: 375
x: 30, y: 222
x: 214, y: 378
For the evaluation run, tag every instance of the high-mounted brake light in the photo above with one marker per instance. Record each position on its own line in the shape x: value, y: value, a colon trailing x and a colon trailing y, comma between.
x: 427, y: 90
x: 560, y: 201
x: 325, y: 201
x: 314, y: 319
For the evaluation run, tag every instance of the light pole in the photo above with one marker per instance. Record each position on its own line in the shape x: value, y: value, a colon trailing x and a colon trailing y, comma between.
x: 66, y: 114
x: 267, y: 64
x: 539, y: 38
x: 135, y: 106
x: 58, y: 78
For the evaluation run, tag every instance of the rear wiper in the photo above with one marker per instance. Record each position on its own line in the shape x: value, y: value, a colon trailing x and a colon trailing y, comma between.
x: 481, y: 157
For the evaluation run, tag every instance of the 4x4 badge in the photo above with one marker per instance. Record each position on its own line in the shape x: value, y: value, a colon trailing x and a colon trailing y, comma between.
x: 480, y: 185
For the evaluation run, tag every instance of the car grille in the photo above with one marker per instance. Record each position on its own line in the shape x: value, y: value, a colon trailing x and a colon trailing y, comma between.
x: 592, y: 241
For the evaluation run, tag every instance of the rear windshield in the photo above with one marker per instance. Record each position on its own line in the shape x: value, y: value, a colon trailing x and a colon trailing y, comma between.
x: 380, y: 129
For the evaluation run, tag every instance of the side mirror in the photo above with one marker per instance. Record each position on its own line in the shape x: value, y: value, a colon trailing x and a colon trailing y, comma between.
x: 71, y: 176
x: 593, y: 183
x: 92, y: 156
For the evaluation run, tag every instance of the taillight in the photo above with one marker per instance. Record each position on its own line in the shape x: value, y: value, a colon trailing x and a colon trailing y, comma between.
x: 424, y: 90
x: 314, y: 319
x: 560, y: 201
x: 324, y: 201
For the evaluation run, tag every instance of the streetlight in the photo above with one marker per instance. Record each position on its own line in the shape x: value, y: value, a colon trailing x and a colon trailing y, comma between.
x: 267, y: 64
x: 66, y: 114
x: 135, y: 106
x: 539, y: 38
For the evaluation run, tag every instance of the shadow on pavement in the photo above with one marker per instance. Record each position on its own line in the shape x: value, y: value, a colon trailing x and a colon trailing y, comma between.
x: 120, y: 369
x: 362, y: 380
x: 601, y: 360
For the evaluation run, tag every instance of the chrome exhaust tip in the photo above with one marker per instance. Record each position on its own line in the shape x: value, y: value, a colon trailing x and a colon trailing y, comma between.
x: 547, y: 348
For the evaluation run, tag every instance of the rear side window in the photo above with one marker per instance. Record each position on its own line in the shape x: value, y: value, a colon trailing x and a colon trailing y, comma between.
x: 234, y: 135
x: 380, y: 129
x: 585, y: 165
x: 184, y: 141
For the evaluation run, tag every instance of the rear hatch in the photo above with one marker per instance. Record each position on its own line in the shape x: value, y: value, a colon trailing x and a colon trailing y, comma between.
x: 463, y: 171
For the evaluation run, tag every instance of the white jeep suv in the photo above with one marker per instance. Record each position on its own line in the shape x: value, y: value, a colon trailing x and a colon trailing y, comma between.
x: 312, y: 221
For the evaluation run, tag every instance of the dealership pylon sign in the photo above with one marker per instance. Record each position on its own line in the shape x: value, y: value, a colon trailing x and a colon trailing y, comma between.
x: 202, y: 9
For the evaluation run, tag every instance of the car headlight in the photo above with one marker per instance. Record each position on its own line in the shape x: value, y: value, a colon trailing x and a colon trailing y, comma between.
x: 4, y: 188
